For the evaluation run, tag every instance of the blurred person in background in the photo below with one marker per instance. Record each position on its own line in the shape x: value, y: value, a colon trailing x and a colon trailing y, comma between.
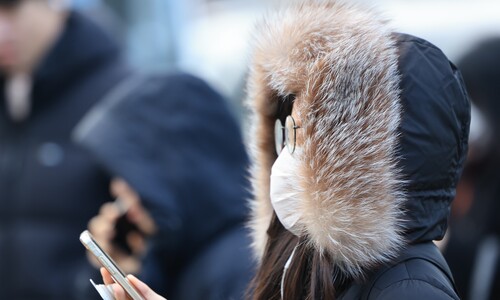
x: 170, y: 137
x: 473, y: 243
x: 55, y: 65
x: 180, y: 164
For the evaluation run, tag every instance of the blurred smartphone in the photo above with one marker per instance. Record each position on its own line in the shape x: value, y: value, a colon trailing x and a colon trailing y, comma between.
x: 108, y: 263
x: 123, y: 227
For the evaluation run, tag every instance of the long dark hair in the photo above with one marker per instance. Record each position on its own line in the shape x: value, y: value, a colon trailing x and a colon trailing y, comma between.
x: 311, y: 275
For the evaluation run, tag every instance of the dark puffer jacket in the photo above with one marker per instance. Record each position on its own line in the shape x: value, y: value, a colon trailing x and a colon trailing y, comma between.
x: 384, y: 126
x: 50, y: 187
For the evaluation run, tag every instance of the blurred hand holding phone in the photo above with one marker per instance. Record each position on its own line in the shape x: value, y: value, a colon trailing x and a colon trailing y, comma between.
x: 121, y: 227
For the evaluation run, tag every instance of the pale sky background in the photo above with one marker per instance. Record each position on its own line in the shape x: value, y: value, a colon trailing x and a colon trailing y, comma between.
x: 210, y: 38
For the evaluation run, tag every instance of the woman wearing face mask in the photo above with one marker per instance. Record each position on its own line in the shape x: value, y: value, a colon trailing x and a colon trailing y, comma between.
x: 359, y: 137
x: 370, y: 134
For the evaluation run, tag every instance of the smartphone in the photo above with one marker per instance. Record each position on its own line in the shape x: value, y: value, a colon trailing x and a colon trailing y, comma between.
x: 108, y: 263
x: 123, y: 227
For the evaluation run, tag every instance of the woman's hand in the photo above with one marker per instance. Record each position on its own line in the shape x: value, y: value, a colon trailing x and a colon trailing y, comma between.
x: 141, y: 287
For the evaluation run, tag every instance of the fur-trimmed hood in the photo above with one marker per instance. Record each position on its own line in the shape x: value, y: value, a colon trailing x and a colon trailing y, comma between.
x: 364, y: 181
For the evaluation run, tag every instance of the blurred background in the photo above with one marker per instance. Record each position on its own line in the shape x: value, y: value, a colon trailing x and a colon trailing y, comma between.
x: 210, y: 38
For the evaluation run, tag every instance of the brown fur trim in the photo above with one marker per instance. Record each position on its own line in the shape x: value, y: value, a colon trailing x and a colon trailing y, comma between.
x: 341, y: 63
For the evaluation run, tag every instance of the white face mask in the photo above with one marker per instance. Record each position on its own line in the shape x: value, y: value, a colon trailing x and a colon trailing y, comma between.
x: 285, y: 190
